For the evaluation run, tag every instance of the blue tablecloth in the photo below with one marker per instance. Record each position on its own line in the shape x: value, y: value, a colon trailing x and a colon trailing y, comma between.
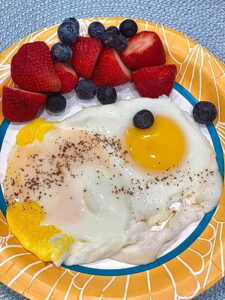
x: 202, y: 20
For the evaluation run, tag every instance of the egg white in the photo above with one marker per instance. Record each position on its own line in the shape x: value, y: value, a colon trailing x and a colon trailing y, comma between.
x: 106, y: 224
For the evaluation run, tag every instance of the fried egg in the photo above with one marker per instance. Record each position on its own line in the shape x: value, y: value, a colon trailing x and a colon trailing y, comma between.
x: 104, y: 188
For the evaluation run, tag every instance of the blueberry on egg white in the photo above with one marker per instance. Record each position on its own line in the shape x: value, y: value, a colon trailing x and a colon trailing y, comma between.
x: 204, y: 112
x: 143, y: 119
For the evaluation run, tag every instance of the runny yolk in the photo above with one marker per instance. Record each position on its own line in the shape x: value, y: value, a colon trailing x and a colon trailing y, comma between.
x: 158, y: 147
x: 33, y: 131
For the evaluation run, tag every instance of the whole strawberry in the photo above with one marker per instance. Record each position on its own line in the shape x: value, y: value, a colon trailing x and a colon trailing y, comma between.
x: 21, y: 106
x: 32, y: 68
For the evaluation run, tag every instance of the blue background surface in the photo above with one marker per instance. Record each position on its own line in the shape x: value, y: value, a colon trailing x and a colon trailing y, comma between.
x: 203, y: 21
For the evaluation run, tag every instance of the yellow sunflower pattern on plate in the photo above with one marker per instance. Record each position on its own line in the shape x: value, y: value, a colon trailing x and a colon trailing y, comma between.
x: 184, y: 277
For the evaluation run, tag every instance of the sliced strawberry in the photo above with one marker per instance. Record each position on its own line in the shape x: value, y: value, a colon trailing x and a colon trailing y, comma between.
x: 86, y: 51
x: 110, y: 70
x: 21, y: 106
x: 144, y: 49
x: 155, y: 81
x: 67, y: 76
x: 32, y: 68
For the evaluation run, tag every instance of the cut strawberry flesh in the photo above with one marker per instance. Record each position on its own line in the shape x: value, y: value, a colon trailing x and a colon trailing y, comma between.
x: 140, y: 45
x: 121, y: 64
x: 110, y: 70
x: 144, y: 49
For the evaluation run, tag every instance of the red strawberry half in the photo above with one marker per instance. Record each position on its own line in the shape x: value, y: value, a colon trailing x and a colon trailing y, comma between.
x: 32, y: 68
x: 155, y: 81
x: 110, y: 70
x: 144, y: 49
x: 67, y: 76
x: 86, y: 51
x: 21, y: 106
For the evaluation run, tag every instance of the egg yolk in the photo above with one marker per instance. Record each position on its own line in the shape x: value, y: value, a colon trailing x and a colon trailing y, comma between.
x: 158, y: 147
x: 33, y: 131
x: 46, y: 241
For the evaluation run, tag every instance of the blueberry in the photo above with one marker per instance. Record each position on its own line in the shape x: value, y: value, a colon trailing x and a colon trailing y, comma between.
x: 86, y: 89
x: 113, y: 29
x: 61, y: 52
x: 68, y: 32
x: 108, y: 39
x: 128, y: 28
x: 96, y: 29
x: 204, y: 112
x: 56, y: 103
x: 73, y: 20
x: 106, y: 94
x: 120, y: 43
x: 143, y: 119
